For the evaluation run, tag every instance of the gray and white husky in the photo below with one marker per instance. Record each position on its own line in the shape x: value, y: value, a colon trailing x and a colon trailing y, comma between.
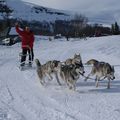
x: 70, y: 74
x: 77, y: 61
x: 101, y: 70
x: 46, y: 70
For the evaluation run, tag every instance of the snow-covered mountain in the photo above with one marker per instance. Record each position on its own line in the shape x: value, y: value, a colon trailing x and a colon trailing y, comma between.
x: 29, y: 11
x: 34, y: 11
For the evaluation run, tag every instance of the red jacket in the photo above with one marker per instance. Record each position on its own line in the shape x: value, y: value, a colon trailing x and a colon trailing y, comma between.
x: 26, y: 37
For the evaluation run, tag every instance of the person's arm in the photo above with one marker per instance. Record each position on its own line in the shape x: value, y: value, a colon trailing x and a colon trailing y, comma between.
x: 20, y: 32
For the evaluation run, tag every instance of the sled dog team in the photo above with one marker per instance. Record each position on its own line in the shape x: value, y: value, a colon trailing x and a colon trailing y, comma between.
x: 70, y: 71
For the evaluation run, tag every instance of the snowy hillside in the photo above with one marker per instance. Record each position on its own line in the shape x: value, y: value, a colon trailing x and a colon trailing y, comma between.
x: 23, y: 98
x: 28, y: 11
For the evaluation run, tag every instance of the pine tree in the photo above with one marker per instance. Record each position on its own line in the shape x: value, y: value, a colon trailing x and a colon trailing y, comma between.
x: 5, y: 13
x: 113, y: 28
x: 116, y: 29
x: 4, y: 9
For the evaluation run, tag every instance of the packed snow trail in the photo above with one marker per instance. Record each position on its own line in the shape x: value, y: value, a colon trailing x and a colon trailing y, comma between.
x: 23, y: 98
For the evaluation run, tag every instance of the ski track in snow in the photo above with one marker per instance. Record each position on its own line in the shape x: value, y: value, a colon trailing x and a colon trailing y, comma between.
x: 23, y: 98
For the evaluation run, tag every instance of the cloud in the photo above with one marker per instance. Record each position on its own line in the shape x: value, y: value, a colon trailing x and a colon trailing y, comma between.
x: 78, y: 5
x: 91, y: 8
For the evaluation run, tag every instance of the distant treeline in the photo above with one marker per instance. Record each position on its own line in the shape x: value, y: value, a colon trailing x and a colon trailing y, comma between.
x: 70, y: 28
x: 76, y: 27
x: 66, y: 28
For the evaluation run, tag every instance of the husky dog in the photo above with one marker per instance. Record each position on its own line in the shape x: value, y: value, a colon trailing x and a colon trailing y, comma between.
x: 46, y: 70
x: 70, y: 74
x: 77, y: 61
x: 101, y: 69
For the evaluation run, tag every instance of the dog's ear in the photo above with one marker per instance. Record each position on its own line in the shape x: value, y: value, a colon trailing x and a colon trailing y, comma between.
x: 80, y: 56
x: 75, y: 55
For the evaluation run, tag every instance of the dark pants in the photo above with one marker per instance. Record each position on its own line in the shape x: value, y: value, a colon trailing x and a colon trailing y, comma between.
x: 26, y: 51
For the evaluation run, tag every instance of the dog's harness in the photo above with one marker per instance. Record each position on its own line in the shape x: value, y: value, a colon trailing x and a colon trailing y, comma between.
x: 92, y: 78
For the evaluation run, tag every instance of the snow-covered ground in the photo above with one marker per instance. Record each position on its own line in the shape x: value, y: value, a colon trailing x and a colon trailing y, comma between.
x: 23, y: 98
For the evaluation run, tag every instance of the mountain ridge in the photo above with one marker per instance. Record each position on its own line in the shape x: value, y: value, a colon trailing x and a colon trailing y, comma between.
x: 29, y: 11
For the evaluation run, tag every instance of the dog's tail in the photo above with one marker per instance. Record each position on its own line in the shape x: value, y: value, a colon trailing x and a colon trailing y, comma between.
x: 38, y: 63
x: 39, y: 70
